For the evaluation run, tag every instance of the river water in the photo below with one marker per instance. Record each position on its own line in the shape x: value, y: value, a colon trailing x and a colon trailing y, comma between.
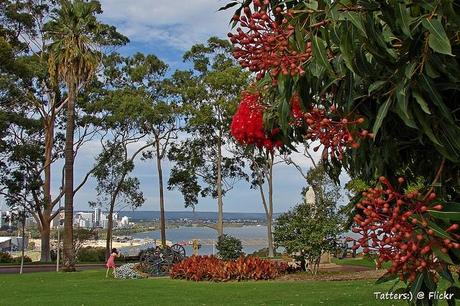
x: 253, y: 238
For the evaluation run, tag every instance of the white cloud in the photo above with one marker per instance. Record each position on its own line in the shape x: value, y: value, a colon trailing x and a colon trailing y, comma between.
x: 178, y: 24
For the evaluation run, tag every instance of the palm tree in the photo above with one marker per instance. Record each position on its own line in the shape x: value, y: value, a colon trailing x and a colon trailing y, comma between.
x: 73, y: 60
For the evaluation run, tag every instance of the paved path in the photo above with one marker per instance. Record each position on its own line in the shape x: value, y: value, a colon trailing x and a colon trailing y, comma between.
x: 343, y: 268
x: 45, y: 268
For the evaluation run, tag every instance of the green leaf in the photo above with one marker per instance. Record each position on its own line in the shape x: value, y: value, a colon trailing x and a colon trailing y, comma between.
x: 426, y: 127
x: 383, y: 111
x: 319, y: 52
x: 284, y: 115
x: 436, y: 98
x: 346, y: 46
x: 441, y: 256
x: 403, y: 18
x: 375, y: 86
x: 450, y: 212
x: 438, y: 230
x: 229, y: 5
x: 428, y: 280
x: 386, y: 278
x: 410, y: 69
x: 417, y: 284
x: 445, y: 273
x: 299, y: 38
x: 437, y: 39
x: 418, y: 97
x: 312, y: 5
x: 402, y: 107
x: 356, y: 19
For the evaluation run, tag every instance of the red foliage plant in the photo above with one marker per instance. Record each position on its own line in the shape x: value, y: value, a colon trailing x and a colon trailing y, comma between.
x: 210, y: 268
x: 398, y: 227
x: 248, y: 124
x: 264, y: 44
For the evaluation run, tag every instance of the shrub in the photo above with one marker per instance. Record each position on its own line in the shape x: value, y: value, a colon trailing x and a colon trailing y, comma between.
x: 5, y: 258
x: 211, y: 268
x: 264, y: 253
x: 31, y: 246
x: 17, y: 260
x: 229, y: 247
x: 91, y: 254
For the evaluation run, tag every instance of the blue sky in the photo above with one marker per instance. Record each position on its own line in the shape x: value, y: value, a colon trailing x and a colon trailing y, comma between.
x: 168, y: 28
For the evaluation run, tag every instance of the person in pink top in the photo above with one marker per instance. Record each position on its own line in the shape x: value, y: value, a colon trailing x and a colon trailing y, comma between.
x: 111, y: 262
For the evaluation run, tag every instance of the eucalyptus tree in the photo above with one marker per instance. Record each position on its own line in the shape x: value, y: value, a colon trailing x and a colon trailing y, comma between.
x: 159, y: 118
x: 209, y: 95
x: 116, y: 189
x: 140, y: 121
x: 261, y: 165
x: 76, y: 39
x: 32, y: 116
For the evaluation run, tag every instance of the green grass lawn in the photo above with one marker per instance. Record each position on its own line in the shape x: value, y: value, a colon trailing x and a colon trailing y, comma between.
x: 364, y: 262
x: 92, y: 288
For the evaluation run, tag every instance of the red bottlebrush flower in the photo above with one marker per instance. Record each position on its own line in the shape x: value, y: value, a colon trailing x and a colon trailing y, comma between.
x: 248, y: 124
x: 395, y: 226
x: 261, y: 43
x: 334, y: 136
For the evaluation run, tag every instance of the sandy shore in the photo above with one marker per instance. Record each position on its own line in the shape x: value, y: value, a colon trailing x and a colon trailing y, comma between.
x: 115, y: 244
x: 101, y: 243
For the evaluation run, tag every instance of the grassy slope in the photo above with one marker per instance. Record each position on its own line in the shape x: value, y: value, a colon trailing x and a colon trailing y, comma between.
x: 91, y: 288
x: 365, y: 262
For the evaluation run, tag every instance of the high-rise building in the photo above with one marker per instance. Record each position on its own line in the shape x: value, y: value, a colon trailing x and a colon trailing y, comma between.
x: 124, y: 221
x: 97, y: 216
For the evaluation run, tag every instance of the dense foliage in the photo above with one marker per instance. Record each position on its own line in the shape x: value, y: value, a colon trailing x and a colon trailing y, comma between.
x: 7, y: 258
x: 392, y: 63
x: 209, y: 95
x: 311, y: 228
x: 229, y: 247
x: 210, y: 268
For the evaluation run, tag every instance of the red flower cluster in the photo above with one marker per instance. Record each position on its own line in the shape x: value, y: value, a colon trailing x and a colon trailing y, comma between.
x: 265, y: 44
x: 248, y: 124
x: 334, y: 136
x: 210, y: 268
x: 397, y: 227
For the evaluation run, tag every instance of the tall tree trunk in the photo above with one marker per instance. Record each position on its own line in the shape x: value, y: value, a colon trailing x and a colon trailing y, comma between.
x: 45, y: 242
x: 108, y: 242
x: 162, y: 200
x: 113, y: 200
x: 220, y: 203
x: 270, y: 206
x: 69, y: 252
x: 45, y: 232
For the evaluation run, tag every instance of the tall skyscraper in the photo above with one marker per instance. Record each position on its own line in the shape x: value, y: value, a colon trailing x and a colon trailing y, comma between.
x: 97, y: 216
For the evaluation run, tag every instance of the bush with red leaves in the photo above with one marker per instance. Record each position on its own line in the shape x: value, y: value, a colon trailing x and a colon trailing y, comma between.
x: 210, y: 268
